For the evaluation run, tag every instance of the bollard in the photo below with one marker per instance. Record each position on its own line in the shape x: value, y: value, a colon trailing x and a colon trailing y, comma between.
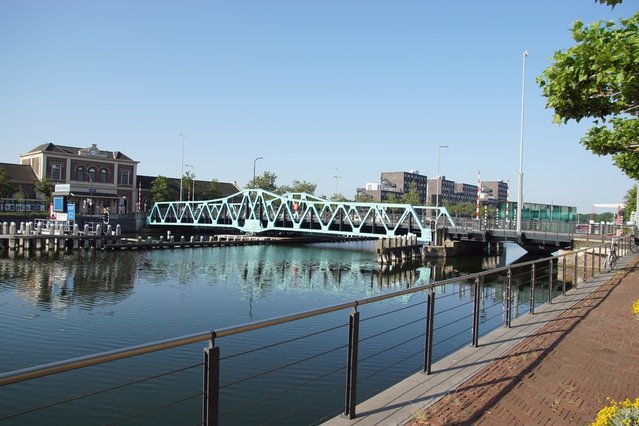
x: 118, y: 230
x: 5, y: 228
x: 76, y: 234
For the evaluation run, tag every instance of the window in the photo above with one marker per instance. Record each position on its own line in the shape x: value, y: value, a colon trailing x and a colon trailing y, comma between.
x: 104, y: 175
x: 92, y: 174
x: 79, y: 173
x: 56, y: 171
x: 125, y: 177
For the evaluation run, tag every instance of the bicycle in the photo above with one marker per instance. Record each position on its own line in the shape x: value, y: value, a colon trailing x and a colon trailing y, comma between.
x: 634, y: 243
x: 611, y: 259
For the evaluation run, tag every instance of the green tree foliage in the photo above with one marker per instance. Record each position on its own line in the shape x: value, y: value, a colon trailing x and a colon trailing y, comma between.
x: 265, y: 181
x: 161, y: 190
x: 339, y: 198
x: 598, y: 78
x: 612, y: 3
x: 299, y: 186
x: 213, y: 190
x: 630, y: 200
x: 45, y: 187
x: 5, y: 183
x: 363, y: 198
x: 187, y: 185
x: 412, y: 196
x: 461, y: 209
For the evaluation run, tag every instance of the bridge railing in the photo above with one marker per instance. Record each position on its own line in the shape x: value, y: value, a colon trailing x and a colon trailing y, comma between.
x: 307, y: 366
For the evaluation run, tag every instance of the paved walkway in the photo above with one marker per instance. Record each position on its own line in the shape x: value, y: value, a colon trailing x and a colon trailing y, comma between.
x: 556, y: 367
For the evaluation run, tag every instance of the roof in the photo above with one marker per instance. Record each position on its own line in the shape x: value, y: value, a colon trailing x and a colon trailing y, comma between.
x: 73, y: 150
x: 225, y: 188
x: 20, y: 172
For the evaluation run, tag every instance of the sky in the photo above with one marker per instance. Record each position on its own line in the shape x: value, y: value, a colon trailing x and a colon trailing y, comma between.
x: 332, y: 92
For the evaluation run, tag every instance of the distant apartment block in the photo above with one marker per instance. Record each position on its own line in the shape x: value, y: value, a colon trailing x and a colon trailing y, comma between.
x: 430, y: 190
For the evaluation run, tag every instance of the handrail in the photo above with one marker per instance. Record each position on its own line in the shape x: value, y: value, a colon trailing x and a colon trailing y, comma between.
x: 21, y: 375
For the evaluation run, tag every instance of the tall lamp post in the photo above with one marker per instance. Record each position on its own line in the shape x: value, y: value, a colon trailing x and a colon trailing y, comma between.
x: 255, y: 161
x: 520, y: 196
x: 439, y: 178
x: 337, y: 177
x: 182, y: 165
x: 192, y: 181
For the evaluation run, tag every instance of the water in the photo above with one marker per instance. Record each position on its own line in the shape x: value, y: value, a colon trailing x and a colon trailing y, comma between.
x: 55, y: 306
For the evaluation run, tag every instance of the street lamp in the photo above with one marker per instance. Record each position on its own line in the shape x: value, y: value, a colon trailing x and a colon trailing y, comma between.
x: 182, y: 165
x: 255, y: 161
x: 192, y: 181
x: 439, y: 179
x: 520, y: 196
x: 336, y: 178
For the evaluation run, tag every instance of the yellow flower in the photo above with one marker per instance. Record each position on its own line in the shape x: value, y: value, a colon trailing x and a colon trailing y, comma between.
x: 635, y: 307
x: 619, y: 413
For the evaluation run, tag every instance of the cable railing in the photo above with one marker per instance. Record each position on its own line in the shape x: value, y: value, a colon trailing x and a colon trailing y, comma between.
x: 304, y: 367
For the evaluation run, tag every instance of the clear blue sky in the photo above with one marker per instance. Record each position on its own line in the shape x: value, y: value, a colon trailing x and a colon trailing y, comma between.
x: 317, y: 88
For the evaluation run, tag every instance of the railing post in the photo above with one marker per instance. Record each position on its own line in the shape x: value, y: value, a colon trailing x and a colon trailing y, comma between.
x: 476, y: 307
x: 351, y: 370
x: 532, y: 288
x: 563, y: 277
x: 509, y: 297
x: 585, y: 265
x: 428, y: 343
x: 211, y: 384
x: 592, y: 263
x: 550, y: 280
x: 576, y: 272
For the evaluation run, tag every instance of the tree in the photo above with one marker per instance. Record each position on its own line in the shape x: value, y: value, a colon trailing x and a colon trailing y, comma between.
x: 5, y: 183
x: 213, y: 189
x: 299, y: 186
x: 598, y: 78
x: 363, y: 198
x: 266, y: 182
x: 45, y: 187
x: 187, y: 184
x: 161, y: 190
x: 630, y: 200
x: 412, y: 196
x: 339, y: 198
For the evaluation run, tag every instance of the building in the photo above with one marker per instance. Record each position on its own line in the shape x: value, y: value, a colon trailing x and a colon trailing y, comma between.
x: 23, y: 196
x: 495, y: 191
x: 200, y: 190
x: 396, y: 184
x: 91, y: 178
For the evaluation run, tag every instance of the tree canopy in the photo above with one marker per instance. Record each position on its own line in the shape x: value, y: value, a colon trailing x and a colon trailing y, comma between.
x: 44, y: 187
x: 299, y: 186
x: 598, y: 78
x: 161, y: 190
x: 5, y: 183
x: 265, y: 181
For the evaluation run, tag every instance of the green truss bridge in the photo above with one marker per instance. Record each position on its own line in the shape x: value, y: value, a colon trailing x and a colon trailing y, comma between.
x: 258, y: 211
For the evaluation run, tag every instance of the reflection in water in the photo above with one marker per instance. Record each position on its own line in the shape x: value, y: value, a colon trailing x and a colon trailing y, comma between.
x: 58, y: 280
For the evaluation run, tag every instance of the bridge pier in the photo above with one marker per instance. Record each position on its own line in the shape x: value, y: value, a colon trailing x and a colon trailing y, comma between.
x: 397, y: 249
x: 452, y: 248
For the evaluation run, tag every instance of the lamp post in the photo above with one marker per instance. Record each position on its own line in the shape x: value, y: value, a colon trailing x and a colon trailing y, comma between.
x: 255, y: 161
x: 520, y: 196
x: 192, y: 181
x: 336, y: 179
x: 439, y: 186
x: 182, y: 165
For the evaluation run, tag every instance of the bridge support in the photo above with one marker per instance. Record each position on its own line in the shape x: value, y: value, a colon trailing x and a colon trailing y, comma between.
x: 398, y: 249
x: 452, y: 248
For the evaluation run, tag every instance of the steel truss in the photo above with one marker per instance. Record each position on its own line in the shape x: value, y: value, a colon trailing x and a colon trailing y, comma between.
x: 259, y: 211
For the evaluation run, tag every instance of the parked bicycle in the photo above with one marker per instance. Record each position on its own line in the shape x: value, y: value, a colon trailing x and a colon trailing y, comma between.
x: 611, y: 259
x: 634, y: 243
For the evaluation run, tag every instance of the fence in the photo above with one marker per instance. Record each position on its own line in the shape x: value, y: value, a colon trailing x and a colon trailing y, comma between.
x: 301, y: 368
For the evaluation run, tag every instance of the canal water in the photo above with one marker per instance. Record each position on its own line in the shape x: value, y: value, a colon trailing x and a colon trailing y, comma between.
x: 56, y: 306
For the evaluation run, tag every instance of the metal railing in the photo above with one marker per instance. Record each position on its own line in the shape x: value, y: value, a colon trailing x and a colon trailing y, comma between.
x: 272, y: 377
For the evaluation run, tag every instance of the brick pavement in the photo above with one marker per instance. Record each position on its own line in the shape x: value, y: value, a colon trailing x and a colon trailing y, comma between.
x: 561, y: 375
